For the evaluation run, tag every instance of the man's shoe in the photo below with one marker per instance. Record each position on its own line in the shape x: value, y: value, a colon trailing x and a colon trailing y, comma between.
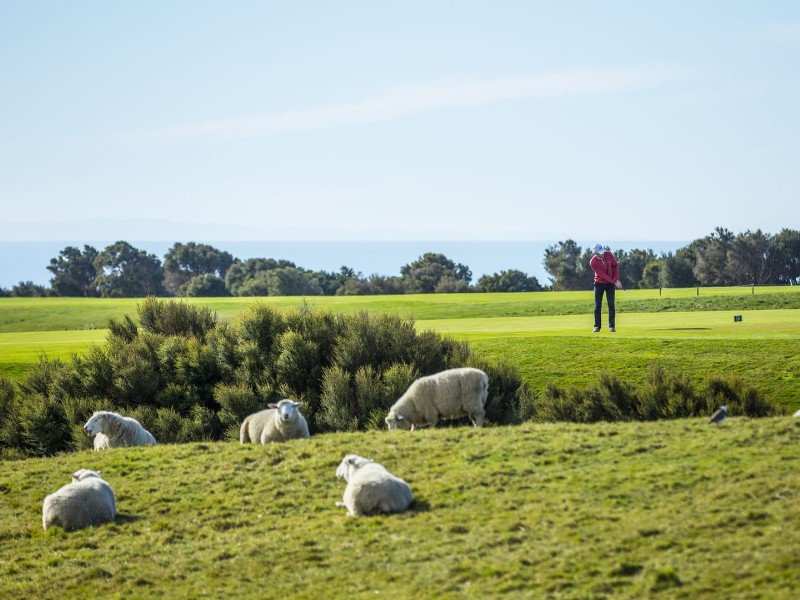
x: 612, y: 329
x: 595, y: 330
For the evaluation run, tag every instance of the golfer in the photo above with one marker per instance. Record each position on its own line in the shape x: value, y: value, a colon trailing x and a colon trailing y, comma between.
x: 606, y: 279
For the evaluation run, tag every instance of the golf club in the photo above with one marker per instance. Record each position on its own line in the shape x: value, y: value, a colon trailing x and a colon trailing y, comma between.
x: 634, y: 299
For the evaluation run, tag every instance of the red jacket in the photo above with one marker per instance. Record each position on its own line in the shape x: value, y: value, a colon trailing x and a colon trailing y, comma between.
x: 606, y: 269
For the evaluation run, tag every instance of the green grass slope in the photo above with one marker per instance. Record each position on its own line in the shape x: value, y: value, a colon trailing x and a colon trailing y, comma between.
x: 762, y: 349
x: 681, y: 509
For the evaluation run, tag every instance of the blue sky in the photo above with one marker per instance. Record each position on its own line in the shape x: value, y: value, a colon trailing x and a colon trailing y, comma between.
x: 448, y: 120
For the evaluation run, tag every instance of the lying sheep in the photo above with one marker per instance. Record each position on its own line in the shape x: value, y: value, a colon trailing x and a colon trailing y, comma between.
x: 88, y: 500
x: 279, y: 423
x: 371, y: 489
x: 446, y: 395
x: 112, y: 430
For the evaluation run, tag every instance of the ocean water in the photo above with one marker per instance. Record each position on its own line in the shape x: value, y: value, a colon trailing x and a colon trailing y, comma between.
x: 28, y: 261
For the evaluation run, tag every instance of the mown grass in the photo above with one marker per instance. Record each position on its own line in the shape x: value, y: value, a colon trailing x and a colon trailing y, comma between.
x: 59, y: 314
x: 678, y: 509
x: 20, y: 350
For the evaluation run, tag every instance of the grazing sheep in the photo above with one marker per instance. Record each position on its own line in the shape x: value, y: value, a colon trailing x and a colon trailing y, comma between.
x: 446, y: 395
x: 112, y: 430
x: 797, y: 414
x: 278, y: 423
x: 371, y: 489
x: 87, y: 500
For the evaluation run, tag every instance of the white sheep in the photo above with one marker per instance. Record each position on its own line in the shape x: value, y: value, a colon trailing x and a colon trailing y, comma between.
x: 87, y: 500
x: 112, y: 430
x: 449, y: 394
x: 371, y: 489
x: 278, y: 423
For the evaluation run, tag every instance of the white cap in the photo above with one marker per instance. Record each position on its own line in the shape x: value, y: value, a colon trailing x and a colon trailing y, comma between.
x: 599, y: 248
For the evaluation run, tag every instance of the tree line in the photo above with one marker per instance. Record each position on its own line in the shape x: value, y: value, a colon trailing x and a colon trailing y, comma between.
x: 719, y: 259
x: 199, y: 270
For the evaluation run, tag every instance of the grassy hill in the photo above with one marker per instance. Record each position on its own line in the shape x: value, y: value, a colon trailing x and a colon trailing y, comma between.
x: 674, y: 509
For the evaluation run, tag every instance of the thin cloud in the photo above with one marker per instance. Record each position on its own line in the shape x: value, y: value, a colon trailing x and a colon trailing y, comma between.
x: 412, y: 100
x: 787, y: 32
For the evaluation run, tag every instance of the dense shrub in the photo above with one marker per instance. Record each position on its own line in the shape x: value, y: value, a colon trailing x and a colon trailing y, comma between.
x: 10, y: 431
x: 175, y: 318
x: 666, y: 395
x: 43, y: 426
x: 186, y: 376
x: 236, y: 401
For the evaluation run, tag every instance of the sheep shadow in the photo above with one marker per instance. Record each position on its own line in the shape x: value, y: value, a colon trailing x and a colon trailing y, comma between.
x: 419, y: 506
x: 125, y: 519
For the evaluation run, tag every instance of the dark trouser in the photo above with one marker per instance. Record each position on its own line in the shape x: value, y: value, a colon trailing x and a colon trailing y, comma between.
x: 609, y: 289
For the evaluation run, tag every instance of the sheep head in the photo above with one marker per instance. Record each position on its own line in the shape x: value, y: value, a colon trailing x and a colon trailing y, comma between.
x: 287, y: 409
x: 82, y: 474
x: 350, y: 463
x: 95, y: 423
x: 395, y: 420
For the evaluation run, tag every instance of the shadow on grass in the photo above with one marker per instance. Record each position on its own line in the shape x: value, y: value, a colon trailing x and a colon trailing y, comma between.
x: 124, y: 519
x: 419, y: 506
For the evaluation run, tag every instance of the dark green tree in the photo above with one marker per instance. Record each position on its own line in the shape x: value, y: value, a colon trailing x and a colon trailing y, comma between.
x: 28, y: 289
x: 651, y: 275
x: 127, y: 272
x: 632, y: 264
x: 750, y: 260
x: 568, y: 266
x: 240, y: 272
x: 204, y: 286
x: 332, y: 282
x: 786, y: 256
x: 711, y: 258
x: 508, y: 281
x: 73, y: 272
x: 430, y: 270
x: 182, y: 262
x: 373, y: 285
x: 676, y: 271
x: 283, y: 281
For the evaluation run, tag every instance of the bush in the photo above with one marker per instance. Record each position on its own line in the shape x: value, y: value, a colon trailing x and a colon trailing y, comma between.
x: 44, y: 426
x: 337, y: 402
x: 10, y: 429
x: 175, y: 318
x: 739, y: 397
x: 509, y: 400
x: 664, y: 396
x: 236, y: 401
x: 167, y: 426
